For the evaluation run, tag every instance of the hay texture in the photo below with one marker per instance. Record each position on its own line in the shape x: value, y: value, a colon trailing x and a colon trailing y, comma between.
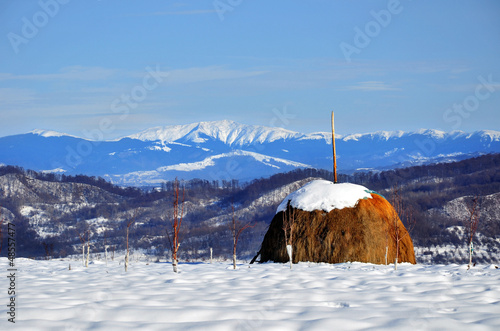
x: 337, y: 223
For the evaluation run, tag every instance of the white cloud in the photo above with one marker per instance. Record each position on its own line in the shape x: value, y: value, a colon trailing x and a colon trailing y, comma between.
x: 188, y: 75
x: 183, y: 12
x: 67, y: 73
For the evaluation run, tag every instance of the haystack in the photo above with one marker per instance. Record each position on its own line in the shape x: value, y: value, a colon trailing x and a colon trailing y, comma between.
x: 337, y: 223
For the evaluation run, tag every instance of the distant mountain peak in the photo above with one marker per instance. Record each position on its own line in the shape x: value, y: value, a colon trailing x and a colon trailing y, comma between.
x: 437, y: 134
x: 382, y: 135
x: 226, y: 131
x: 48, y: 133
x: 491, y: 134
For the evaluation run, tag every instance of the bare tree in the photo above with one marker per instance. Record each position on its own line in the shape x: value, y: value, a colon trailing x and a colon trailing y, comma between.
x: 85, y: 239
x: 105, y: 245
x: 129, y: 224
x: 105, y: 231
x: 175, y: 223
x: 386, y: 246
x: 89, y: 232
x: 49, y: 250
x: 82, y: 239
x: 288, y: 228
x: 237, y: 228
x: 406, y: 215
x: 471, y: 223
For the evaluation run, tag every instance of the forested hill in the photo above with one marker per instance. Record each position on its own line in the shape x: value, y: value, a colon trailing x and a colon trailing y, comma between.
x: 52, y: 211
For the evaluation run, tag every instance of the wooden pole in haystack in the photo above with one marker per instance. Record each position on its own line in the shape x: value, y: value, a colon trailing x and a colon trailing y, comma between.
x: 334, y: 153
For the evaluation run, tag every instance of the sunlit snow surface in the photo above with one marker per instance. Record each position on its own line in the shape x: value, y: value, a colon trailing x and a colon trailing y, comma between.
x: 348, y: 296
x: 325, y: 195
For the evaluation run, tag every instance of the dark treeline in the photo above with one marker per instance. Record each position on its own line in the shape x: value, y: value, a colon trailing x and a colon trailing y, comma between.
x: 422, y: 187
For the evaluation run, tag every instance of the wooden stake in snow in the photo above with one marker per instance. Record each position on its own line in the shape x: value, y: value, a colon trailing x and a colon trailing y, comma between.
x: 289, y: 251
x: 82, y: 238
x: 334, y: 153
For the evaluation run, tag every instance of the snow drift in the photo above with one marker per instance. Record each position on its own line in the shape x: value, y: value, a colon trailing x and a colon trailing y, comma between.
x: 351, y: 296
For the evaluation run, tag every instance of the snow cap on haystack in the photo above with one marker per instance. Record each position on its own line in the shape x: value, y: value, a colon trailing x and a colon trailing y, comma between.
x: 325, y: 195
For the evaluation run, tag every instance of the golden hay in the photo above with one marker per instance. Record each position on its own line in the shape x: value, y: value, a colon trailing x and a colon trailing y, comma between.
x: 361, y: 234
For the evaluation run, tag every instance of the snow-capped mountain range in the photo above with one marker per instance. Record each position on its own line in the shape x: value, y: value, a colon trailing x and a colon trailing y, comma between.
x: 226, y: 150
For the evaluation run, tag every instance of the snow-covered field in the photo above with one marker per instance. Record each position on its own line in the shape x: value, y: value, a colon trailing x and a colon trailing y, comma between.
x: 203, y: 296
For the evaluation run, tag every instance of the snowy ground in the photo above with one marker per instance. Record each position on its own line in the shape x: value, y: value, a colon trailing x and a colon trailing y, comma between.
x: 349, y: 296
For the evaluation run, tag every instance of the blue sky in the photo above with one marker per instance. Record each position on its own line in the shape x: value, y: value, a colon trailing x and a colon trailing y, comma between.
x: 116, y: 67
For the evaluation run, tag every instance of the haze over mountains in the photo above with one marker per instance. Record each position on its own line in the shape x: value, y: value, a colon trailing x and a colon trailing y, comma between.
x: 226, y: 150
